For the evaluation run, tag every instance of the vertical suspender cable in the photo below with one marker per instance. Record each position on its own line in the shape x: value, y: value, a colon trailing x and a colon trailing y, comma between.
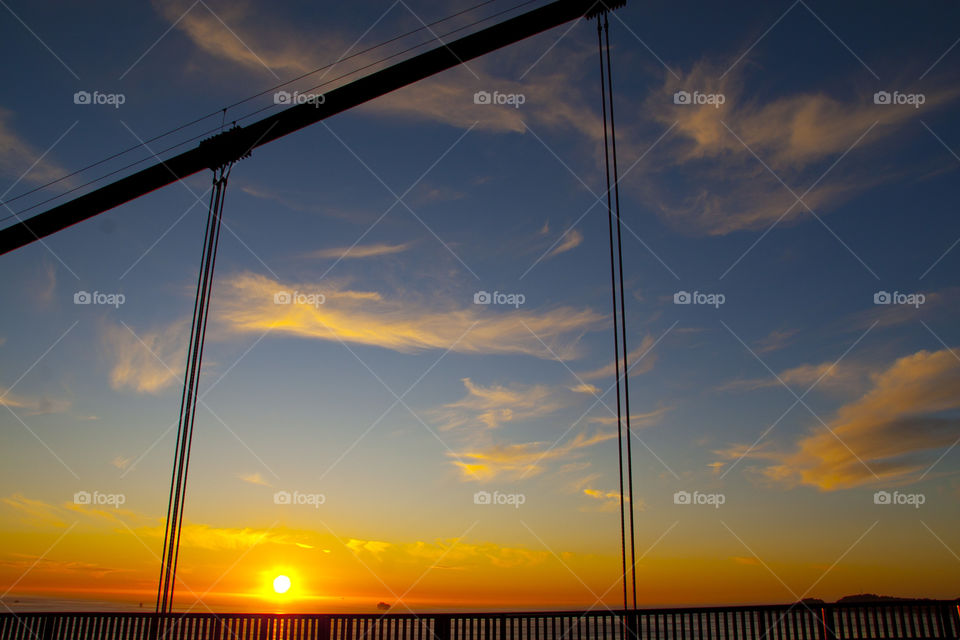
x: 188, y: 400
x: 613, y: 293
x: 623, y: 317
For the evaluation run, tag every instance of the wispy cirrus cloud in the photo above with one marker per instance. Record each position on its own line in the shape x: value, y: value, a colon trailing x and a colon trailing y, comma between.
x: 586, y: 387
x: 522, y: 459
x: 571, y: 240
x: 844, y: 376
x: 491, y: 406
x: 640, y: 360
x: 775, y: 340
x: 399, y: 322
x: 893, y: 433
x: 35, y: 405
x: 361, y: 251
x: 455, y: 552
x: 255, y: 43
x: 639, y: 420
x: 23, y: 563
x: 36, y: 512
x: 146, y: 361
x: 609, y: 501
x: 717, y: 186
x: 254, y: 478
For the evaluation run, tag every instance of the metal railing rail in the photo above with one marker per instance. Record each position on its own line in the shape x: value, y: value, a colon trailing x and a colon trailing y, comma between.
x: 914, y: 619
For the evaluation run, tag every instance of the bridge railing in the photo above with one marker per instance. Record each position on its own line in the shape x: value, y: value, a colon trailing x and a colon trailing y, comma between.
x: 894, y: 620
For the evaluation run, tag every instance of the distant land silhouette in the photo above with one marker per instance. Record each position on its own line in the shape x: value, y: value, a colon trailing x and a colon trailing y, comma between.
x: 862, y: 598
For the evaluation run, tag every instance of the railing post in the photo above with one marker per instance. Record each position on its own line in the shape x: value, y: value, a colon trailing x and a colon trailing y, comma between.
x: 630, y: 625
x: 441, y: 627
x: 953, y: 617
x: 827, y: 625
x: 46, y: 626
x: 155, y: 626
x: 323, y: 628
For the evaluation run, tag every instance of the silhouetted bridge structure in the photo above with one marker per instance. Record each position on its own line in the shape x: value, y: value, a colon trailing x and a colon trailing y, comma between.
x: 900, y: 620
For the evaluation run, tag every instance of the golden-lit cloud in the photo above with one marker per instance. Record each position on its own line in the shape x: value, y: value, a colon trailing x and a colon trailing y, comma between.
x: 721, y: 187
x: 361, y: 251
x: 586, y: 387
x: 376, y: 547
x: 637, y: 365
x: 146, y: 361
x: 775, y: 340
x: 121, y: 462
x: 431, y: 100
x: 843, y: 376
x: 230, y: 31
x: 647, y: 419
x: 491, y: 406
x: 255, y: 43
x: 207, y: 537
x: 255, y: 478
x: 610, y: 500
x: 571, y: 240
x: 36, y: 512
x: 520, y: 459
x: 895, y: 430
x: 401, y: 323
x: 34, y: 405
x: 23, y: 563
x: 453, y: 553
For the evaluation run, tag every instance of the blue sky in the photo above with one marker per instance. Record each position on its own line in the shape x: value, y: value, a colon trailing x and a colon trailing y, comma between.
x: 797, y: 199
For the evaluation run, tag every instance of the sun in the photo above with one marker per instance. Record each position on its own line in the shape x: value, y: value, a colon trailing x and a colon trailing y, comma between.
x: 281, y: 584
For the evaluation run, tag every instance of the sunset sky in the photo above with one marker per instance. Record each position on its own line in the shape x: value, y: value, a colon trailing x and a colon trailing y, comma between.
x: 383, y: 399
